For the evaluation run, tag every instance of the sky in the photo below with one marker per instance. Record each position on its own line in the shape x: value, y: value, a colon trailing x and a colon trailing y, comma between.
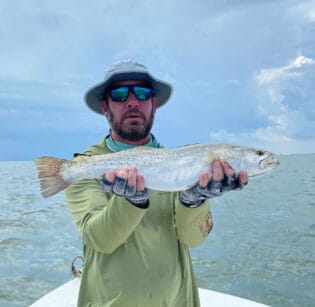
x: 243, y: 72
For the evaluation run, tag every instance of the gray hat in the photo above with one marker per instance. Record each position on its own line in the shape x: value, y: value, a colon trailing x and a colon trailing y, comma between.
x: 126, y: 70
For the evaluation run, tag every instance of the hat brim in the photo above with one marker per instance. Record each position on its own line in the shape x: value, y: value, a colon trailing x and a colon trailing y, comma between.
x: 94, y: 95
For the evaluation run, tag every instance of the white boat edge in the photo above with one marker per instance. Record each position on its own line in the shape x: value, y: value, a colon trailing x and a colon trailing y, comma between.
x: 66, y: 296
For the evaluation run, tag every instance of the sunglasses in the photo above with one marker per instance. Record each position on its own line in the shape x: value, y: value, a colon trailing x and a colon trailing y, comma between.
x: 121, y: 93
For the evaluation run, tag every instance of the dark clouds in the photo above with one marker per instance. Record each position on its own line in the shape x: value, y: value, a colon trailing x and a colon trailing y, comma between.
x: 213, y: 53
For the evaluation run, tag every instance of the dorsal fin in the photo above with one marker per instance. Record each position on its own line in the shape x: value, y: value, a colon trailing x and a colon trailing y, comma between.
x: 76, y: 154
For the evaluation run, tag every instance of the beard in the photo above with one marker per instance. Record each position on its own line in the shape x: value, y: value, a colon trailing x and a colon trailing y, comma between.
x: 131, y: 132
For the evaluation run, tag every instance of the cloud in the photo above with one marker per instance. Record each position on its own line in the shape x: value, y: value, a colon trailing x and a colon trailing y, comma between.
x: 278, y: 74
x: 290, y: 71
x: 209, y: 51
x: 286, y: 99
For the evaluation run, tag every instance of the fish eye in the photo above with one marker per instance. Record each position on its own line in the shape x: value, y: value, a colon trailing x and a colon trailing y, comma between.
x: 259, y: 152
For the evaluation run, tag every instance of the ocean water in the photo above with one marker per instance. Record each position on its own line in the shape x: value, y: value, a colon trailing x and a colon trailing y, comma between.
x: 262, y: 246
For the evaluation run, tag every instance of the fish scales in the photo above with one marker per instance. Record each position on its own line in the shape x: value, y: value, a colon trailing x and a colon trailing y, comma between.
x: 164, y: 169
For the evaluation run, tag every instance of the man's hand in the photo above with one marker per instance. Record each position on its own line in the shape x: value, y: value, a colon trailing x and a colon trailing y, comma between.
x: 221, y: 179
x: 127, y: 183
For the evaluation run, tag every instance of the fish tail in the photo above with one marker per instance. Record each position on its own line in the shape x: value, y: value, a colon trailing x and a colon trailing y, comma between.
x: 49, y: 175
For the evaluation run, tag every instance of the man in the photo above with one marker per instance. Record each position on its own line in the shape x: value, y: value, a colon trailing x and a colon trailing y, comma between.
x: 136, y: 242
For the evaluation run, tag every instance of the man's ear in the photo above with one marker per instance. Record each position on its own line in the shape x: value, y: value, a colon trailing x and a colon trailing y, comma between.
x: 104, y: 107
x: 155, y: 103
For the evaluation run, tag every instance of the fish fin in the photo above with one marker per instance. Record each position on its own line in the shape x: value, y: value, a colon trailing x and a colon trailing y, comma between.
x: 212, y: 156
x: 76, y: 154
x: 188, y: 145
x: 49, y: 175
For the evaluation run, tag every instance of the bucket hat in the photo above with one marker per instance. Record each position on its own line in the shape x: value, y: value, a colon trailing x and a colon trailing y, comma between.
x: 126, y: 70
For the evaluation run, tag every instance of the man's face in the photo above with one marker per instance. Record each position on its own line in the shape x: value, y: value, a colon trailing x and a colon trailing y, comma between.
x: 132, y: 119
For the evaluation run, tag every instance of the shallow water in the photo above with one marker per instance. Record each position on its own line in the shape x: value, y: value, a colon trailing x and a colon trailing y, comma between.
x: 262, y: 246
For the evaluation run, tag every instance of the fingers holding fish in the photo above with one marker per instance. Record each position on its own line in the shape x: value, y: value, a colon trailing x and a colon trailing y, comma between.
x: 243, y: 177
x: 231, y: 181
x: 222, y: 179
x: 110, y: 175
x: 140, y: 183
x: 204, y: 179
x: 223, y: 172
x: 234, y: 182
x: 127, y: 183
x: 130, y: 176
x: 218, y: 171
x: 227, y: 169
x: 134, y: 178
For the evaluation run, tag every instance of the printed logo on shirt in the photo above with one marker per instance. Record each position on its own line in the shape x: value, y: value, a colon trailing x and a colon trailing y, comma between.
x: 208, y: 225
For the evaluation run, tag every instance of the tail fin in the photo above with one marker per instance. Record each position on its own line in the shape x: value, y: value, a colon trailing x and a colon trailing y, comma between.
x: 49, y: 175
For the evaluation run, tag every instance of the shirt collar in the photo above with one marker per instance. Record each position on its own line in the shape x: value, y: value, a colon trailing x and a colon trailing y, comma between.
x: 118, y: 146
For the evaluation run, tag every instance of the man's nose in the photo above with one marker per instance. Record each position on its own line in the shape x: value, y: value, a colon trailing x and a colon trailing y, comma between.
x: 132, y: 101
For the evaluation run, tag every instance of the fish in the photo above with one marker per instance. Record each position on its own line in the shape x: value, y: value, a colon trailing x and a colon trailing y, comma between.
x: 164, y: 169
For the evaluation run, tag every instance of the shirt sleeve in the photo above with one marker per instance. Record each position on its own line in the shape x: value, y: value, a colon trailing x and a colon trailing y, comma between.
x: 105, y: 221
x: 192, y: 224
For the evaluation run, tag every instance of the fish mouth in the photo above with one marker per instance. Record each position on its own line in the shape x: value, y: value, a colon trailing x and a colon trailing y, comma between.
x: 269, y: 162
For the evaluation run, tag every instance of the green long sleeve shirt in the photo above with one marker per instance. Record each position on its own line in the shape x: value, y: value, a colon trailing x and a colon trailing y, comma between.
x: 136, y: 257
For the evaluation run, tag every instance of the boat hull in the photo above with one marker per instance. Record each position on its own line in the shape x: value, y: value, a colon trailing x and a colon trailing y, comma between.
x: 66, y: 296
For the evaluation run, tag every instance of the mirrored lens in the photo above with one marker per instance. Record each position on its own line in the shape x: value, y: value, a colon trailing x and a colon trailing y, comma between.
x: 120, y: 93
x: 142, y: 93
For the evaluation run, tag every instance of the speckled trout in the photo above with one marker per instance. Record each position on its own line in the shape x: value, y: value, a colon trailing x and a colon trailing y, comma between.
x: 164, y: 169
